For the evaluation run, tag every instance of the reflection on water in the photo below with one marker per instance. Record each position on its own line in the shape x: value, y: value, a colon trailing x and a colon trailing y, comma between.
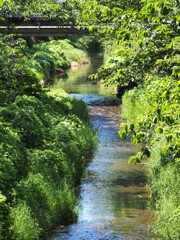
x: 113, y: 201
x: 77, y: 79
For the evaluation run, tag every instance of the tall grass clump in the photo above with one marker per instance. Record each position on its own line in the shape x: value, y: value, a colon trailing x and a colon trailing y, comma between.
x: 24, y: 225
x: 51, y: 203
x: 164, y: 180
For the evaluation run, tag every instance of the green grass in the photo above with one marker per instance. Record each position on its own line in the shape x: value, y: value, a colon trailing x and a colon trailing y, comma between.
x: 24, y: 224
x: 152, y: 112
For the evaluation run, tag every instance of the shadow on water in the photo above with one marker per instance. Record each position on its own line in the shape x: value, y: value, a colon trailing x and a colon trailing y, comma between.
x: 113, y: 196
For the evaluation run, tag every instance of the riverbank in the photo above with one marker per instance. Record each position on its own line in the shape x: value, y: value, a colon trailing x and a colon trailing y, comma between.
x: 152, y: 115
x: 46, y: 141
x: 54, y: 57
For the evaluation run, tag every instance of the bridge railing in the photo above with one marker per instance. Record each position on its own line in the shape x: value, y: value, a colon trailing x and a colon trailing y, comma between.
x: 42, y: 31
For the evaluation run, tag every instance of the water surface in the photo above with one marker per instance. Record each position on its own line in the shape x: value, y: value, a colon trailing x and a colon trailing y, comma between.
x: 113, y: 196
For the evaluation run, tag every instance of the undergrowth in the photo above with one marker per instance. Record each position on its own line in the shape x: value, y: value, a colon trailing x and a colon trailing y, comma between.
x: 45, y: 141
x: 152, y: 114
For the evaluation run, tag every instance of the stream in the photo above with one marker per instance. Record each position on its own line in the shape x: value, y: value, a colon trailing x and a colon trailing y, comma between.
x: 113, y: 196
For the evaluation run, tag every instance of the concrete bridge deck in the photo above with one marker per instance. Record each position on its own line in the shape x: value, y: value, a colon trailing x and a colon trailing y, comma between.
x: 44, y: 31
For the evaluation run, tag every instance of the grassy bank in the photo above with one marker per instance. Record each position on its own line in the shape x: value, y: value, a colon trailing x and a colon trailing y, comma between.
x: 45, y: 140
x: 48, y: 57
x: 152, y: 114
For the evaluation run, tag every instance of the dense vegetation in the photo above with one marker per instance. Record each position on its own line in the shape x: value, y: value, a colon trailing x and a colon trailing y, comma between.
x: 146, y: 59
x: 45, y: 140
x: 145, y: 36
x: 34, y: 11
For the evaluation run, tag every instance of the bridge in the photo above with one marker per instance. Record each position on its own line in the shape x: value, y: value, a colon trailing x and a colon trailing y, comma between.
x: 44, y: 31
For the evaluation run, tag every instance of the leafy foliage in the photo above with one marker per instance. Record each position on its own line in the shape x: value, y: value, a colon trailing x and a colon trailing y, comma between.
x: 33, y: 12
x: 39, y: 129
x: 146, y: 58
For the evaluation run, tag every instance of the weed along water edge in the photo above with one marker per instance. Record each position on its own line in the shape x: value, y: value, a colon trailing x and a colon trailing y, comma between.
x: 113, y: 196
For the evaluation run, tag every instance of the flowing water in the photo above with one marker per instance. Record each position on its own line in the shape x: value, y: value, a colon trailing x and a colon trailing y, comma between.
x: 113, y: 197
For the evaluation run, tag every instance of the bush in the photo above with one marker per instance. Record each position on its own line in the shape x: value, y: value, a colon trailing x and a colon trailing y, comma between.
x: 27, y: 122
x: 3, y: 213
x: 13, y: 160
x: 59, y: 101
x: 79, y: 108
x: 46, y: 61
x: 53, y: 165
x: 55, y: 54
x: 43, y: 151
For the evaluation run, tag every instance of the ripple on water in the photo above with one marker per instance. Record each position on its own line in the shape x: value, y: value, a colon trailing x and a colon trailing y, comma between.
x: 113, y: 196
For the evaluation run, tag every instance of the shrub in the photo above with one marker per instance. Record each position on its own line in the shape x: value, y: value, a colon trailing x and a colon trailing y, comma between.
x: 59, y: 101
x: 79, y: 108
x: 13, y: 160
x: 3, y: 213
x: 46, y: 60
x: 53, y: 165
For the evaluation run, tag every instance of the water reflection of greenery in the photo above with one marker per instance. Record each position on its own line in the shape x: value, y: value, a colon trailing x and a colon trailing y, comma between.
x: 79, y: 75
x: 75, y: 76
x: 77, y: 81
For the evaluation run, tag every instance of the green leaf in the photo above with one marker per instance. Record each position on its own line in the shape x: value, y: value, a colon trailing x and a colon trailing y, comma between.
x: 2, y: 198
x: 176, y: 71
x: 135, y: 159
x: 159, y: 130
x: 93, y: 28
